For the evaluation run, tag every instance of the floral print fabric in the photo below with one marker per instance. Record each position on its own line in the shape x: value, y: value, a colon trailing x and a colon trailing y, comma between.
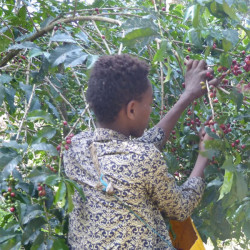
x: 141, y: 181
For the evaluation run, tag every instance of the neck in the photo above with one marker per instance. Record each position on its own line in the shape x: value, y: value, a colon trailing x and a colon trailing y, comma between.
x: 116, y: 126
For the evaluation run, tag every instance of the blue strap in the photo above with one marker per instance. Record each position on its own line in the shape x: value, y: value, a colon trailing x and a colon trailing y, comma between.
x: 105, y: 184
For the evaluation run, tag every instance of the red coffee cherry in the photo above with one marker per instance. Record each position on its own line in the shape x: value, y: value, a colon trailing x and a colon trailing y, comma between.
x: 12, y: 209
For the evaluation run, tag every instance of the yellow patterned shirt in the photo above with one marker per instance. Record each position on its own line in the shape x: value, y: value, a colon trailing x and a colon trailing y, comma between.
x: 142, y: 184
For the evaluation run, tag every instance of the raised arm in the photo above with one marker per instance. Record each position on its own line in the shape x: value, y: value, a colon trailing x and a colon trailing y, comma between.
x: 196, y: 73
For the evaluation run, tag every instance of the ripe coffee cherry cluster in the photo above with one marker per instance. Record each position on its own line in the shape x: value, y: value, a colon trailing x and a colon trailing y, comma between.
x: 41, y: 190
x: 65, y: 144
x: 246, y: 66
x: 52, y: 169
x: 10, y: 194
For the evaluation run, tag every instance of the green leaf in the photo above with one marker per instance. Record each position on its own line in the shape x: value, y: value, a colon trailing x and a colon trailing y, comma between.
x: 32, y: 230
x: 225, y: 60
x: 6, y: 235
x: 81, y: 35
x: 241, y: 186
x: 231, y: 36
x: 189, y: 13
x: 47, y: 132
x: 39, y: 175
x: 52, y: 180
x: 61, y: 53
x: 14, y: 144
x: 62, y: 37
x: 229, y: 165
x: 194, y: 36
x: 61, y: 192
x: 171, y: 162
x: 9, y: 167
x: 139, y: 31
x: 230, y: 11
x: 40, y: 115
x: 227, y: 45
x: 45, y: 147
x: 227, y: 184
x: 4, y: 78
x: 53, y: 109
x: 70, y: 193
x: 2, y: 94
x: 207, y: 52
x: 91, y: 61
x: 77, y: 187
x: 59, y: 244
x: 35, y: 52
x: 24, y: 45
x: 73, y: 60
x: 30, y: 216
x: 237, y: 97
x: 40, y: 242
x: 13, y: 243
x: 196, y: 17
x: 210, y: 133
x: 10, y: 95
x: 163, y: 52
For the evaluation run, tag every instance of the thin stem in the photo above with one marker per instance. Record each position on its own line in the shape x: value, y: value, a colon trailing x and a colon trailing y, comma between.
x: 93, y: 40
x: 47, y: 217
x: 13, y: 37
x: 100, y: 34
x: 162, y: 83
x: 228, y: 93
x: 84, y: 97
x: 210, y: 100
x: 50, y: 27
x: 77, y: 121
x: 26, y: 112
x: 59, y: 93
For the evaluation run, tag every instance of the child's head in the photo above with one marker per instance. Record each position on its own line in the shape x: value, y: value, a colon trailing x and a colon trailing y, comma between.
x: 114, y: 82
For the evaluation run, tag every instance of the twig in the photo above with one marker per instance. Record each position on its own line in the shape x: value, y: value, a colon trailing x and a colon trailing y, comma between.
x: 84, y: 98
x: 30, y: 17
x: 26, y: 112
x: 50, y: 27
x: 13, y: 37
x: 121, y: 45
x: 115, y: 8
x: 162, y: 82
x: 59, y: 93
x: 53, y: 99
x: 228, y: 93
x: 93, y: 40
x: 104, y: 41
x: 119, y: 14
x: 81, y: 115
x: 210, y: 100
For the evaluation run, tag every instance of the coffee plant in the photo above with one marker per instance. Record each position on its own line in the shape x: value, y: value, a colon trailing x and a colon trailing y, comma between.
x: 47, y: 49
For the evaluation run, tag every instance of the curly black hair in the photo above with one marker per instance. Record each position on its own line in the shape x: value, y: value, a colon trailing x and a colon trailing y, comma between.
x: 114, y: 82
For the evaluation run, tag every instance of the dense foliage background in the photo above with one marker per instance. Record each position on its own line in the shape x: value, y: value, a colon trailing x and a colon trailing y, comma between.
x: 47, y: 51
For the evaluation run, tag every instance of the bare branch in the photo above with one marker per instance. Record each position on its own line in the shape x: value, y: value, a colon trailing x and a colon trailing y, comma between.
x: 101, y: 35
x: 26, y: 112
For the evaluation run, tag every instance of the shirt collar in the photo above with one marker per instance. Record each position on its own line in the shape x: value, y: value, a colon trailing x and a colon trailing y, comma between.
x: 104, y: 134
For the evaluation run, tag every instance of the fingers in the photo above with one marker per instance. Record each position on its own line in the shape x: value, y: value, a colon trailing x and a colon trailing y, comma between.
x: 195, y: 64
x: 215, y: 82
x: 202, y: 65
x: 189, y: 64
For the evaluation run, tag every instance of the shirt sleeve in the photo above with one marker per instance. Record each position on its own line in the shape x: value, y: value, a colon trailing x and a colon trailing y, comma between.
x: 177, y: 202
x: 154, y: 136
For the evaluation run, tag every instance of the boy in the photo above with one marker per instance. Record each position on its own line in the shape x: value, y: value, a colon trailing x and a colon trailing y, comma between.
x: 126, y: 180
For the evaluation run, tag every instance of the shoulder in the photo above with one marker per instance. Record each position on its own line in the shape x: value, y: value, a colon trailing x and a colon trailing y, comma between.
x: 79, y: 142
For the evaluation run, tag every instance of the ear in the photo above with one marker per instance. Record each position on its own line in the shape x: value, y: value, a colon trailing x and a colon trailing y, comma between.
x: 131, y: 109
